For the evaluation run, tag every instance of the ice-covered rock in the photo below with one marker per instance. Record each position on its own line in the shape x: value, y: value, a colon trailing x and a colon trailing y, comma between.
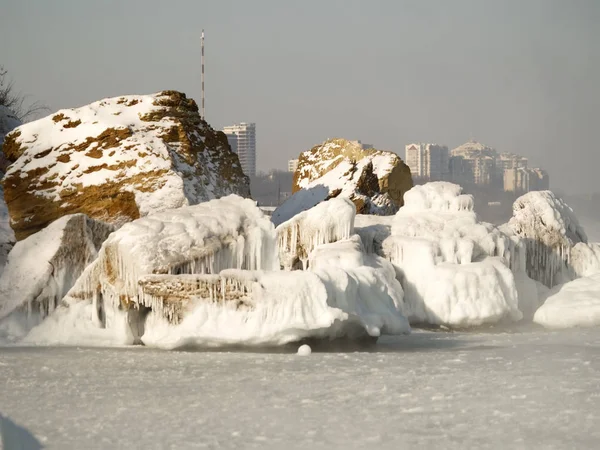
x: 116, y: 160
x: 230, y: 232
x: 454, y: 270
x: 374, y: 180
x: 326, y: 222
x: 43, y: 267
x: 549, y: 229
x: 573, y: 304
x: 209, y: 275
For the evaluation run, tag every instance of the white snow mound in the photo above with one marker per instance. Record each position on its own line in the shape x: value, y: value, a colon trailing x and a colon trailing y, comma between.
x: 573, y: 304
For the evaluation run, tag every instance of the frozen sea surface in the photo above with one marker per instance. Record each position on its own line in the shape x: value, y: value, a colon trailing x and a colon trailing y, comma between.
x: 532, y: 389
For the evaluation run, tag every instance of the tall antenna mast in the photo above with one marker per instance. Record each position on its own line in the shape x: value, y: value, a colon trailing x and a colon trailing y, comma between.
x: 202, y: 75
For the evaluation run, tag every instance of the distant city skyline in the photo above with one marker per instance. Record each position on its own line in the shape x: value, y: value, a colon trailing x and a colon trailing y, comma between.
x: 519, y: 75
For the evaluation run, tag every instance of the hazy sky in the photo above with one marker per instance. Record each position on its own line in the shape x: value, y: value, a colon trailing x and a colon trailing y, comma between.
x: 518, y: 75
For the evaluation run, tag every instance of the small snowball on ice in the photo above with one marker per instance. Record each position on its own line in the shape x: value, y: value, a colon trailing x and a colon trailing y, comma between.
x: 304, y: 350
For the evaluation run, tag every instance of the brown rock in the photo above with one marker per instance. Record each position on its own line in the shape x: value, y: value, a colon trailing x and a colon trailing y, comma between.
x: 116, y: 160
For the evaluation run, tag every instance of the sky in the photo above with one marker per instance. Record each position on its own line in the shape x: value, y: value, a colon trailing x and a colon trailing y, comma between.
x: 518, y: 75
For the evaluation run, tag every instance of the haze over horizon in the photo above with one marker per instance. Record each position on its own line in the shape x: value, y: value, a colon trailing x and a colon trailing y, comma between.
x: 518, y: 76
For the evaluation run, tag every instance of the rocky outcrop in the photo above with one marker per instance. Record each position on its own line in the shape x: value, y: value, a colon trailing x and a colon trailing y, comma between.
x: 117, y: 160
x: 8, y: 122
x: 374, y: 180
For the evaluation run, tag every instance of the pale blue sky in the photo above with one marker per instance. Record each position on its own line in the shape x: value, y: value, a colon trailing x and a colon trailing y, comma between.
x: 519, y: 75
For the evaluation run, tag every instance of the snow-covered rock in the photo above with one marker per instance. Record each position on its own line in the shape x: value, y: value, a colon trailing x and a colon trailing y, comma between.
x: 454, y: 270
x: 327, y: 222
x: 550, y: 230
x: 374, y: 180
x: 43, y: 267
x: 116, y: 160
x: 573, y: 304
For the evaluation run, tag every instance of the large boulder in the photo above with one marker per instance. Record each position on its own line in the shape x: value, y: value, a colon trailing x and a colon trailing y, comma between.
x: 374, y: 180
x: 117, y: 160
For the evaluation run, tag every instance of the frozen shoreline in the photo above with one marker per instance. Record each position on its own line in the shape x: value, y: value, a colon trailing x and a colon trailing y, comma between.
x: 528, y: 389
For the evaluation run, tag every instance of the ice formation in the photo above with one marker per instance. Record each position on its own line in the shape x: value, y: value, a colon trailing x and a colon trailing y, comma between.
x: 454, y: 270
x: 209, y: 275
x: 202, y: 239
x: 373, y: 231
x: 549, y: 229
x: 42, y: 268
x: 574, y: 304
x: 329, y: 221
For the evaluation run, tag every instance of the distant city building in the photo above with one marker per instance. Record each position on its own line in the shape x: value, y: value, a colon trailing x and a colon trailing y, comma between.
x: 522, y: 180
x: 475, y: 163
x: 428, y: 161
x: 242, y: 139
x: 292, y: 165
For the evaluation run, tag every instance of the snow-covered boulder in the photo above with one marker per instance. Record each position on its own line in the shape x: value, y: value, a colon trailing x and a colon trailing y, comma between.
x: 549, y: 229
x: 573, y: 304
x: 374, y: 180
x: 43, y: 267
x: 116, y: 160
x: 454, y: 270
x: 329, y: 221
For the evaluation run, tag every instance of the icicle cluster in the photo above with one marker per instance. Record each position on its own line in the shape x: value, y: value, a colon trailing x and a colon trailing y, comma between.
x: 327, y: 222
x: 549, y: 230
x: 173, y: 295
x: 200, y: 241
